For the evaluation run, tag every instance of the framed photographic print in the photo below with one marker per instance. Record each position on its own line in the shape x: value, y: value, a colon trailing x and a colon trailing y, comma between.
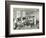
x: 24, y: 18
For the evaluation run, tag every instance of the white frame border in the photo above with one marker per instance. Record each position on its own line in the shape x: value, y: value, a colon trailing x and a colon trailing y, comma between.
x: 25, y: 31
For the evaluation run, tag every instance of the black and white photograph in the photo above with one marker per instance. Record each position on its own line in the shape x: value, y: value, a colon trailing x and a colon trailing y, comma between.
x: 24, y: 19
